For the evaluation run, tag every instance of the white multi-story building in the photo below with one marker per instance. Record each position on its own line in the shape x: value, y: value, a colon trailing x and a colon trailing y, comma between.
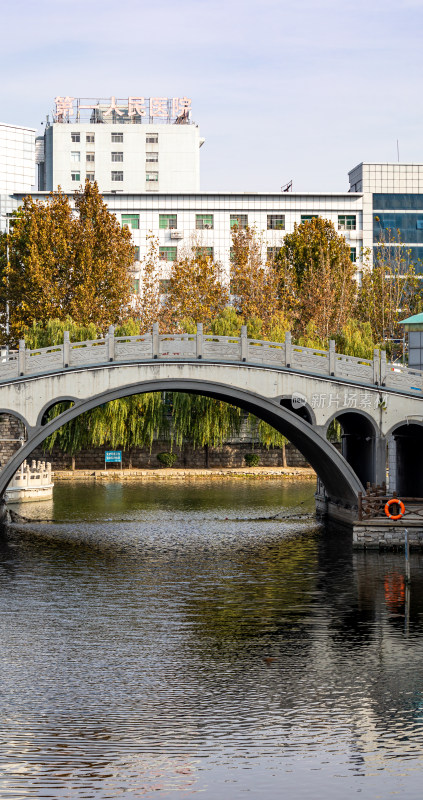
x: 128, y: 146
x: 17, y: 158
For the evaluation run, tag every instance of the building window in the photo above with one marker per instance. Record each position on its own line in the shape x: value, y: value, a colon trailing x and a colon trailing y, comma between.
x: 231, y: 254
x: 135, y: 286
x: 308, y: 217
x: 152, y: 157
x: 131, y: 220
x: 203, y: 221
x: 239, y: 220
x: 75, y: 155
x: 164, y: 285
x: 353, y: 254
x: 167, y: 221
x: 117, y: 156
x: 75, y: 176
x: 152, y: 177
x: 346, y: 222
x: 167, y: 253
x: 117, y: 137
x: 136, y: 253
x: 89, y: 138
x: 90, y: 157
x: 419, y: 224
x: 75, y: 137
x: 204, y: 251
x: 275, y: 222
x: 117, y: 176
x: 152, y: 138
x: 273, y: 252
x: 90, y: 177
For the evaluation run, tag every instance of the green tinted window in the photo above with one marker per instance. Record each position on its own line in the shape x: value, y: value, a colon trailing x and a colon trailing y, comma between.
x: 347, y: 222
x: 167, y: 253
x: 131, y: 220
x: 167, y: 221
x: 239, y: 220
x: 203, y: 221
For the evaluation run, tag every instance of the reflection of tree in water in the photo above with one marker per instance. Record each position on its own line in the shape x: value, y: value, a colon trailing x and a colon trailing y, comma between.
x: 260, y: 591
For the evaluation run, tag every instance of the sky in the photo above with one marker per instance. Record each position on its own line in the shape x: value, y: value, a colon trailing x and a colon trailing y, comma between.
x: 281, y: 90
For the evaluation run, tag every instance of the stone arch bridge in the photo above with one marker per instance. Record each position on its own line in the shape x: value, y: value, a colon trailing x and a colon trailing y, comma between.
x: 298, y: 390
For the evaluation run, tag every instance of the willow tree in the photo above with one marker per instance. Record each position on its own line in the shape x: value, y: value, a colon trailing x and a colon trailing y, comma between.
x: 317, y: 278
x: 254, y: 283
x: 196, y: 289
x: 203, y: 421
x: 129, y: 422
x: 65, y: 264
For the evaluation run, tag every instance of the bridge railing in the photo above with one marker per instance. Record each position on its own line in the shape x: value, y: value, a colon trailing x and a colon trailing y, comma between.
x: 111, y: 348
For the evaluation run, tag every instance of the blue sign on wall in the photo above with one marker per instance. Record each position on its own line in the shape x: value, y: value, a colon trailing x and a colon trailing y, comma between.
x: 113, y: 455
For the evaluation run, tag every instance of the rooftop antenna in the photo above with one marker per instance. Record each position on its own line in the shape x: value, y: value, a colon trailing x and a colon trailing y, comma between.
x: 398, y: 150
x: 287, y: 187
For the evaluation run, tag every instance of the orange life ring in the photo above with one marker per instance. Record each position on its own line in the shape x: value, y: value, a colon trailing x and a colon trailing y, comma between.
x: 398, y: 503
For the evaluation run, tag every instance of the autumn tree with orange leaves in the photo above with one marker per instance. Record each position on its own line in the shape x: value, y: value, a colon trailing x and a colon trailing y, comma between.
x: 65, y: 264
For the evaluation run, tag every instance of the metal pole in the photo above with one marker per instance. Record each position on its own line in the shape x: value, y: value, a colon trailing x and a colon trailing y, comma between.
x: 407, y: 556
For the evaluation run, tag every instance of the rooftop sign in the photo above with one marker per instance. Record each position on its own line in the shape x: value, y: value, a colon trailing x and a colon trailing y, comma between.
x: 130, y: 109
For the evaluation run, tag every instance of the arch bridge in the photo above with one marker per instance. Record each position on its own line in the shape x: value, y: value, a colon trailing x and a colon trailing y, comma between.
x: 297, y: 390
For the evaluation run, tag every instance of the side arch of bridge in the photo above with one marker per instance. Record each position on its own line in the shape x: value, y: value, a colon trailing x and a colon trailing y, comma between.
x: 338, y: 477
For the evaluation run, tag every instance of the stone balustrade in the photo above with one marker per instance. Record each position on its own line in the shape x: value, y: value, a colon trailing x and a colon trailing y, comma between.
x: 31, y: 476
x: 186, y: 346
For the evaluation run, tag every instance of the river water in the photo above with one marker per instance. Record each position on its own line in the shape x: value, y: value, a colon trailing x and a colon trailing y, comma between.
x: 171, y: 639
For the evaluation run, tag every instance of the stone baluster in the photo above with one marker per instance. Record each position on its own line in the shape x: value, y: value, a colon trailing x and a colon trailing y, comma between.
x: 199, y: 340
x: 66, y: 349
x: 111, y: 343
x: 21, y: 357
x: 156, y: 340
x: 244, y: 343
x: 382, y: 367
x: 376, y: 366
x: 332, y: 357
x: 288, y: 349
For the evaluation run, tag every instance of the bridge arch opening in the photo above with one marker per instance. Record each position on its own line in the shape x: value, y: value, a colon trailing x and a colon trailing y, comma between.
x: 61, y: 404
x: 357, y: 442
x: 340, y: 481
x: 301, y: 411
x: 405, y: 457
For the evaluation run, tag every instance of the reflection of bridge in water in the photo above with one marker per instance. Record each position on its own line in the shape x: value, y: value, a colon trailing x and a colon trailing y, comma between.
x: 298, y: 390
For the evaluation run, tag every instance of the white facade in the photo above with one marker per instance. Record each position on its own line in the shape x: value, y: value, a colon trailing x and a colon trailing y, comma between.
x: 122, y: 158
x: 206, y: 220
x: 17, y: 158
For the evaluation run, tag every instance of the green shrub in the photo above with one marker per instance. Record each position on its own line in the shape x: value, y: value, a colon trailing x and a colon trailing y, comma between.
x: 252, y: 459
x: 167, y: 459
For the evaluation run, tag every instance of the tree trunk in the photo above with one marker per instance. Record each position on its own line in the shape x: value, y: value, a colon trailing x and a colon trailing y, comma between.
x: 284, y: 464
x: 206, y: 454
x: 73, y: 463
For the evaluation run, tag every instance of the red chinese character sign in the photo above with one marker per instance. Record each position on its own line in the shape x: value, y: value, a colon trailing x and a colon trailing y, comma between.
x: 131, y: 109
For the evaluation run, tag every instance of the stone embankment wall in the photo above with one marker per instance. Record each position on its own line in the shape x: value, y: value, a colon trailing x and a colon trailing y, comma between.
x: 229, y: 455
x: 384, y: 535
